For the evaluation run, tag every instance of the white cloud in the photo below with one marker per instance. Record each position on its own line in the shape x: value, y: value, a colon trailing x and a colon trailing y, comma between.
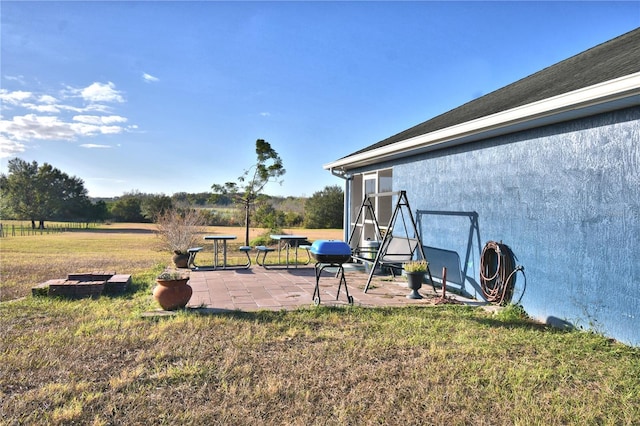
x: 52, y: 109
x: 149, y: 78
x: 47, y: 99
x: 88, y: 108
x: 99, y: 119
x: 82, y: 129
x: 31, y: 126
x: 111, y: 130
x: 9, y: 148
x: 59, y: 108
x: 99, y: 92
x: 43, y: 116
x: 265, y: 114
x: 17, y: 78
x: 93, y: 145
x: 14, y: 98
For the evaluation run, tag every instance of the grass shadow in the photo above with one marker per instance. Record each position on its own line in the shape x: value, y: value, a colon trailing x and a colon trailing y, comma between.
x: 262, y: 316
x: 526, y: 324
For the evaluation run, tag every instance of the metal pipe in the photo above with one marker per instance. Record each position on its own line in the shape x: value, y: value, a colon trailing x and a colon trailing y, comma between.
x: 444, y: 281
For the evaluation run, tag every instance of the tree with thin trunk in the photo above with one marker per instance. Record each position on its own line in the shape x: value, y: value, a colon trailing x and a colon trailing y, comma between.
x: 268, y: 168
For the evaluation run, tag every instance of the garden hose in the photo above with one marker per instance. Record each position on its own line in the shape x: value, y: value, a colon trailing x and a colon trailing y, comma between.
x: 497, y: 272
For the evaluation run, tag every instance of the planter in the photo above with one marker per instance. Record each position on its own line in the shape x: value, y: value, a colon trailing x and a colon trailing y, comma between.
x: 172, y: 294
x: 181, y: 260
x: 414, y: 282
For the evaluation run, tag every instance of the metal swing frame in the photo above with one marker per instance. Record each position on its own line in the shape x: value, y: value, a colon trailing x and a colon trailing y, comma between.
x: 392, y: 251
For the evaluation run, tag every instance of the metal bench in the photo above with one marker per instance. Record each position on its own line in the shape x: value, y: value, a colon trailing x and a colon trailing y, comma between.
x: 306, y: 247
x: 263, y: 250
x: 192, y: 256
x: 246, y: 250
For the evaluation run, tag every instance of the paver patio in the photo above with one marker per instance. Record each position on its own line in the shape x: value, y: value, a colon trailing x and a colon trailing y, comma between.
x: 280, y: 288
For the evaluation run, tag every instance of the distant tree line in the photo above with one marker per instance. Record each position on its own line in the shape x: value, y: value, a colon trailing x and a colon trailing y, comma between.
x: 40, y: 193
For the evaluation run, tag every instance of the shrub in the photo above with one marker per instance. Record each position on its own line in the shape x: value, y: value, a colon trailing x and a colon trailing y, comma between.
x: 178, y: 230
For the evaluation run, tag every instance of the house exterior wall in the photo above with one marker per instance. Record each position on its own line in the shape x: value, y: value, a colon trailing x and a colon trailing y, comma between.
x: 566, y: 200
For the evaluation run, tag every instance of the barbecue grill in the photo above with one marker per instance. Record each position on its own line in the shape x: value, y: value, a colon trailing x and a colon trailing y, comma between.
x: 329, y: 253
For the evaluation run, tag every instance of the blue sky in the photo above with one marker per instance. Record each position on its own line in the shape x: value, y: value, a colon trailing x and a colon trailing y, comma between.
x: 165, y: 97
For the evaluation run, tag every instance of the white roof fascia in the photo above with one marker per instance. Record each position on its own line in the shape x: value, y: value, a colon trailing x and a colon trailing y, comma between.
x: 607, y: 91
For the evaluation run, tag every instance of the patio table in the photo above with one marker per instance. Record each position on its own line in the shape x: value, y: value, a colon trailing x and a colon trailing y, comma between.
x: 289, y: 241
x: 216, y: 241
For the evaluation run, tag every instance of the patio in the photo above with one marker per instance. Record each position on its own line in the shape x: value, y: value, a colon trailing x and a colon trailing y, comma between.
x: 280, y: 288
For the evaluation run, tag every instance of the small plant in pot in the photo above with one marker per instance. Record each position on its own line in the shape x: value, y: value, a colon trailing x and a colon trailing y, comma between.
x: 415, y: 271
x: 178, y: 231
x: 172, y: 276
x: 172, y: 291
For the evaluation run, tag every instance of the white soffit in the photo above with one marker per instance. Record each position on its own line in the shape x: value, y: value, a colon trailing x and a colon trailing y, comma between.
x: 567, y: 105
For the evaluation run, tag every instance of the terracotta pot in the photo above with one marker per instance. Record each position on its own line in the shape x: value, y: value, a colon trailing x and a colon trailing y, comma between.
x: 172, y: 294
x: 181, y: 260
x: 414, y: 281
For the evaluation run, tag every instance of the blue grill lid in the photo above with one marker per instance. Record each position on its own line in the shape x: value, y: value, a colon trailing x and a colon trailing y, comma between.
x: 330, y: 247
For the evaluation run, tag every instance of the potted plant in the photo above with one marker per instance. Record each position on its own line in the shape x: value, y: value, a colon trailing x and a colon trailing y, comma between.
x: 415, y: 271
x: 172, y: 291
x: 178, y: 230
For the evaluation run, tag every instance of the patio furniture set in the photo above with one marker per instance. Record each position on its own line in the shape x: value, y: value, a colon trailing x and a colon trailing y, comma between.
x: 326, y: 253
x: 286, y: 243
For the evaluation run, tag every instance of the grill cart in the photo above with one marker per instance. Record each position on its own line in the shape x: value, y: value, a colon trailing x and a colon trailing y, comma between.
x: 330, y: 253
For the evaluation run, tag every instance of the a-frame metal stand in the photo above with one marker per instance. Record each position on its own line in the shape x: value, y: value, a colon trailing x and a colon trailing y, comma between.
x: 366, y: 209
x: 398, y: 213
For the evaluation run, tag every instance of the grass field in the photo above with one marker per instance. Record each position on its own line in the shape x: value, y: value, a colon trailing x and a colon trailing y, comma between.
x: 101, y: 362
x: 124, y: 248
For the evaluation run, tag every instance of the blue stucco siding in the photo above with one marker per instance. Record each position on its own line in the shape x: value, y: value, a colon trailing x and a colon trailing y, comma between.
x: 565, y: 198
